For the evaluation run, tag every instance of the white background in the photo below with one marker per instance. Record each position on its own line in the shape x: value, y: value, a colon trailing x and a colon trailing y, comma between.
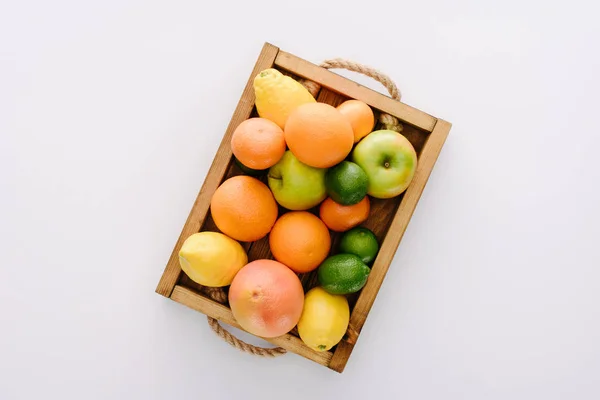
x: 111, y: 112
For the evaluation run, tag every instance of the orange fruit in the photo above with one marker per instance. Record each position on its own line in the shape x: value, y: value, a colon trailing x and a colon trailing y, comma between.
x: 258, y: 143
x: 318, y: 135
x: 360, y: 116
x: 266, y: 298
x: 341, y: 218
x: 244, y: 208
x: 300, y: 240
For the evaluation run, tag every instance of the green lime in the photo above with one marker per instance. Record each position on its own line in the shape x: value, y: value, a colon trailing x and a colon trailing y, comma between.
x: 361, y: 242
x: 248, y: 170
x: 346, y: 183
x: 343, y: 274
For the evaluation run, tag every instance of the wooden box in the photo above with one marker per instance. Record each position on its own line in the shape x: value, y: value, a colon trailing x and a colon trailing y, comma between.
x: 388, y: 218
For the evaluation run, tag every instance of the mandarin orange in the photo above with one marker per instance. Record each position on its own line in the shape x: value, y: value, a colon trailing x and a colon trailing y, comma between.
x: 340, y: 218
x: 258, y: 143
x: 360, y: 116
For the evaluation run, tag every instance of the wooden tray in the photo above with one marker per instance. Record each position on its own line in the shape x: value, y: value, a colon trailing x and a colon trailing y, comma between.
x: 388, y: 218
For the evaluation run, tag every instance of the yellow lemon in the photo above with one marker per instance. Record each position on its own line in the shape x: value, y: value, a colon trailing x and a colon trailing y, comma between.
x: 324, y: 319
x: 277, y: 95
x: 211, y: 258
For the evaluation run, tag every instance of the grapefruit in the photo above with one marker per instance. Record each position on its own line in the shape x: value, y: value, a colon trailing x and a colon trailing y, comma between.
x: 266, y: 298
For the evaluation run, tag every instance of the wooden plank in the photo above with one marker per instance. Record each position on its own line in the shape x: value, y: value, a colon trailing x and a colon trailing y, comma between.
x: 354, y: 90
x: 363, y: 305
x: 206, y: 306
x: 216, y: 172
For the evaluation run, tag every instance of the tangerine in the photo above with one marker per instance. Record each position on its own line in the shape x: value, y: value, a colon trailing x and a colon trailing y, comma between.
x: 340, y: 218
x: 258, y: 143
x: 360, y: 116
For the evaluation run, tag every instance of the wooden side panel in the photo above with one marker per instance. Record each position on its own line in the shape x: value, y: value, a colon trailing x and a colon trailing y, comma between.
x: 216, y: 172
x: 354, y: 90
x: 289, y: 342
x: 363, y: 305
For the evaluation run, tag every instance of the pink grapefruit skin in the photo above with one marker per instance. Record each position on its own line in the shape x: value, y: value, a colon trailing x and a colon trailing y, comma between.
x: 266, y: 298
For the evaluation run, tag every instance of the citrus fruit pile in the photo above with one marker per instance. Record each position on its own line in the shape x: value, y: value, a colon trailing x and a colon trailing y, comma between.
x: 310, y: 169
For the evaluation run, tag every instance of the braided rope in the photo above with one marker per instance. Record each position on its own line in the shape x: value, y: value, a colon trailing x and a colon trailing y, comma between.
x: 240, y: 344
x: 387, y: 121
x: 338, y: 63
x: 219, y: 295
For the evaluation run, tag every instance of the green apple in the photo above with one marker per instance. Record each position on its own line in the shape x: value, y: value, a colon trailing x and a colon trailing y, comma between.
x: 295, y: 185
x: 389, y: 160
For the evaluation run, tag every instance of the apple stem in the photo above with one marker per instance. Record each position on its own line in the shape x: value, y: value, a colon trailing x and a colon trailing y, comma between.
x: 387, y: 164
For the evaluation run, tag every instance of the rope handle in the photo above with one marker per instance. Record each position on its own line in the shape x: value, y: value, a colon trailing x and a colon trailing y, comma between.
x: 387, y: 121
